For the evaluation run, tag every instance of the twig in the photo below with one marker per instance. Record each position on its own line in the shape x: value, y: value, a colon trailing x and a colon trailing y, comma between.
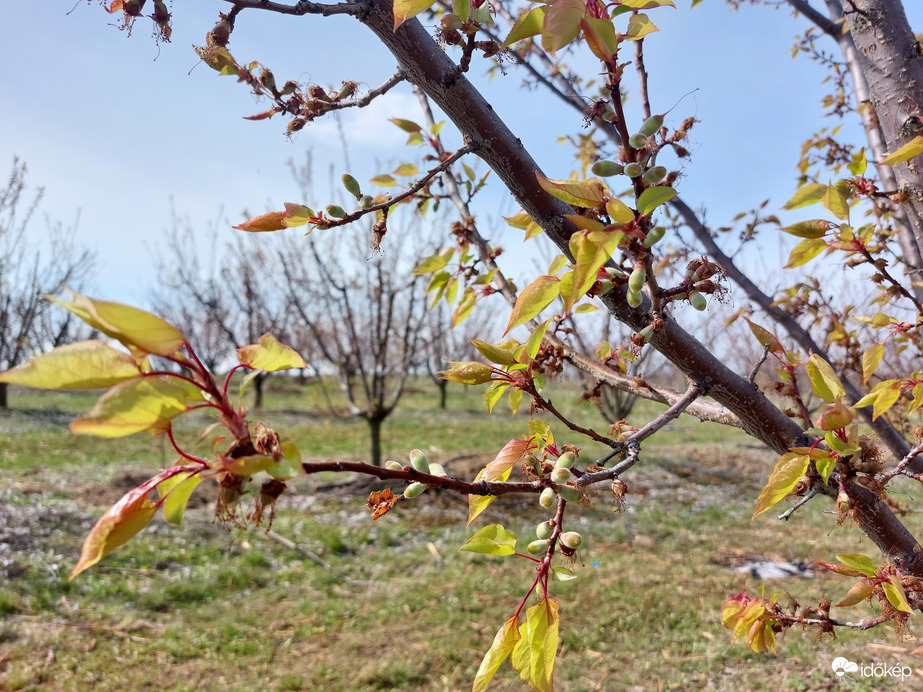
x: 642, y: 78
x: 756, y: 368
x: 801, y: 503
x: 901, y: 467
x: 301, y: 8
x: 291, y: 545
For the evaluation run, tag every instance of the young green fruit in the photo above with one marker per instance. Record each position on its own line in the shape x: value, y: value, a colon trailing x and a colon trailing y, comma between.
x: 633, y: 170
x: 633, y: 298
x: 654, y: 175
x: 566, y: 460
x: 560, y: 475
x: 366, y: 201
x: 335, y: 211
x: 637, y: 141
x: 545, y: 529
x: 637, y: 278
x: 437, y: 470
x: 546, y: 499
x: 414, y: 489
x: 393, y: 465
x: 418, y: 461
x: 537, y: 547
x: 352, y: 186
x: 651, y: 125
x: 606, y: 168
x: 697, y: 300
x: 568, y: 492
x: 646, y: 333
x: 571, y: 539
x: 654, y: 236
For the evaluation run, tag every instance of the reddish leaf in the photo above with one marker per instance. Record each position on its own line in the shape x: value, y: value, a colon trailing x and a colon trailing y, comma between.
x: 273, y: 221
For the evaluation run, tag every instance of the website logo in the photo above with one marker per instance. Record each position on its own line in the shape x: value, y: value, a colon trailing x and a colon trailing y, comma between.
x: 841, y: 666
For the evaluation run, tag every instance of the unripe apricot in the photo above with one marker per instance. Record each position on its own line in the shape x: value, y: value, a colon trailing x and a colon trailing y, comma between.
x: 571, y: 539
x: 546, y: 499
x: 566, y: 460
x: 352, y: 186
x: 414, y: 489
x: 537, y: 547
x: 366, y: 201
x: 633, y: 298
x: 568, y: 492
x: 335, y: 211
x: 560, y: 475
x: 418, y: 461
x: 607, y: 168
x: 637, y: 141
x: 697, y: 300
x: 633, y: 170
x: 654, y: 235
x: 654, y: 175
x: 651, y: 125
x: 393, y: 465
x: 437, y: 470
x: 545, y: 529
x: 637, y: 278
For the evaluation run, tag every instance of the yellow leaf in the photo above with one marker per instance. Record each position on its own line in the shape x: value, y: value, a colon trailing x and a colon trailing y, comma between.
x: 405, y: 9
x: 533, y: 655
x: 289, y: 466
x: 136, y: 405
x: 807, y: 194
x: 533, y: 299
x: 581, y: 193
x: 871, y: 359
x: 618, y: 211
x: 824, y: 382
x: 502, y: 646
x: 175, y: 493
x: 139, y: 331
x: 887, y: 397
x: 269, y: 355
x: 805, y: 251
x: 406, y: 169
x: 527, y: 25
x: 639, y: 26
x: 836, y: 203
x: 120, y: 522
x: 478, y: 503
x: 562, y: 24
x: 272, y: 221
x: 782, y: 481
x: 913, y: 148
x: 83, y: 365
x: 242, y: 466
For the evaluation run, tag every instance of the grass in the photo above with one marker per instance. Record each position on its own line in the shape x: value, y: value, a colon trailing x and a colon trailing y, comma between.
x: 204, y: 608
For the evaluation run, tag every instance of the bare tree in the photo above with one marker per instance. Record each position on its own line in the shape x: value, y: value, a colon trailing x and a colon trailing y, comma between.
x: 29, y: 270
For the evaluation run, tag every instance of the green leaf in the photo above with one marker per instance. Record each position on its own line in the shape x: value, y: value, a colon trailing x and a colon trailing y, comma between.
x: 493, y: 539
x: 289, y: 466
x: 533, y: 299
x: 493, y: 394
x: 297, y: 215
x: 858, y: 562
x: 526, y: 26
x: 887, y: 396
x: 82, y: 365
x: 782, y: 481
x: 913, y: 148
x: 653, y: 197
x: 405, y: 9
x: 812, y: 193
x: 478, y: 503
x: 599, y: 34
x: 406, y: 169
x: 805, y: 251
x: 556, y: 264
x: 431, y: 264
x: 824, y: 381
x: 618, y: 211
x: 494, y: 354
x: 467, y: 372
x: 534, y: 654
x: 562, y: 574
x: 242, y: 466
x: 639, y: 26
x: 859, y: 591
x: 590, y: 251
x: 465, y: 305
x: 175, y: 492
x: 515, y: 400
x: 815, y: 228
x: 534, y: 343
x: 836, y: 203
x: 120, y: 522
x: 894, y: 591
x: 384, y: 180
x: 581, y: 193
x: 139, y: 331
x: 562, y: 24
x: 143, y: 403
x: 502, y: 646
x: 871, y: 359
x: 269, y: 355
x: 765, y: 337
x: 858, y: 164
x: 406, y: 125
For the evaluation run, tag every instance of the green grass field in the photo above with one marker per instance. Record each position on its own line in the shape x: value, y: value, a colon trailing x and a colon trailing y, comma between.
x: 395, y: 606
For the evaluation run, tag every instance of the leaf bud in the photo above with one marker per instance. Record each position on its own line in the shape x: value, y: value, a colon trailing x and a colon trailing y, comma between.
x: 451, y: 22
x: 414, y: 489
x: 546, y: 499
x: 654, y: 175
x: 633, y: 170
x: 336, y: 211
x: 267, y: 79
x: 352, y: 186
x: 347, y: 90
x: 647, y: 333
x: 437, y: 470
x: 418, y: 461
x: 545, y: 529
x: 571, y: 539
x: 651, y: 125
x: 568, y: 492
x: 537, y: 547
x: 637, y: 278
x: 606, y: 168
x: 393, y: 465
x: 566, y: 460
x: 697, y: 300
x: 654, y: 235
x: 633, y: 298
x: 560, y: 475
x: 637, y: 141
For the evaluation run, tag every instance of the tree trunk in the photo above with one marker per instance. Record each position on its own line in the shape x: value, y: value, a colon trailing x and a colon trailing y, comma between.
x: 443, y: 392
x: 375, y: 440
x: 258, y: 391
x: 3, y: 400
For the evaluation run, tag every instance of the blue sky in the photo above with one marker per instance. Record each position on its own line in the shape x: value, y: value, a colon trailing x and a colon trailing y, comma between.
x: 116, y: 127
